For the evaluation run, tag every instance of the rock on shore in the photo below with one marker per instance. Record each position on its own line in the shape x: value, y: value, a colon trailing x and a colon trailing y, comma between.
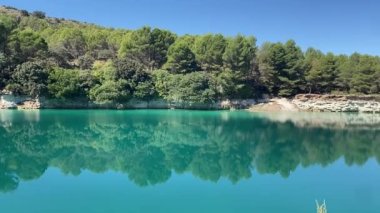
x: 275, y: 105
x: 337, y: 103
x: 322, y: 103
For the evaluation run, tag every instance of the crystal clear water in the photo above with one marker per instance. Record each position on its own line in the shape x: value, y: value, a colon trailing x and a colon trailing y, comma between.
x: 188, y: 161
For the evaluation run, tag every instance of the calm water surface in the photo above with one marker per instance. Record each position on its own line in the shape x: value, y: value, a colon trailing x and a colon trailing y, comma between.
x: 188, y: 161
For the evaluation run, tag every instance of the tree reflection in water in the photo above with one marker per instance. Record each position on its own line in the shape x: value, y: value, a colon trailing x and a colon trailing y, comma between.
x: 149, y: 146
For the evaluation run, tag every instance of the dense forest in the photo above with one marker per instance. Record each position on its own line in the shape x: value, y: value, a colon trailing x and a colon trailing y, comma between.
x: 65, y: 59
x: 151, y: 146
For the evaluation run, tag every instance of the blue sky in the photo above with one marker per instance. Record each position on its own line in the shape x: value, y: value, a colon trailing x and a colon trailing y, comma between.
x: 339, y: 26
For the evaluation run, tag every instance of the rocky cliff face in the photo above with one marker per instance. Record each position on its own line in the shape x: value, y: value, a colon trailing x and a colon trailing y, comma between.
x: 337, y: 103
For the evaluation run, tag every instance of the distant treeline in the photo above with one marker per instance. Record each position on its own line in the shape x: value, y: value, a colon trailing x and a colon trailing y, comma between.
x: 64, y: 59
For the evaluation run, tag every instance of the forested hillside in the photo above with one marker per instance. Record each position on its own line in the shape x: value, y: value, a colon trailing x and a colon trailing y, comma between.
x: 64, y: 59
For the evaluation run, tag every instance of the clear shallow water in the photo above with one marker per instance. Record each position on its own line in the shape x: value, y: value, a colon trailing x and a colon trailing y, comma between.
x: 187, y: 161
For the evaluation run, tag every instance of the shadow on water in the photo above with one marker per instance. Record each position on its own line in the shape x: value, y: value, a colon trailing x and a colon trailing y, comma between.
x: 150, y: 145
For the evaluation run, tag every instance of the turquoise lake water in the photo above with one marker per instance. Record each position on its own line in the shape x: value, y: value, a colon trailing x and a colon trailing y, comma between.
x: 174, y: 161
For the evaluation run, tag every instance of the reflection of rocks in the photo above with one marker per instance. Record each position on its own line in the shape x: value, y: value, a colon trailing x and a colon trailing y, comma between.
x: 326, y: 120
x: 10, y: 116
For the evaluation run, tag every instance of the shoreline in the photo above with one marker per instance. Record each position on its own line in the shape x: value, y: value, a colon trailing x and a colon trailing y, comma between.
x: 299, y: 103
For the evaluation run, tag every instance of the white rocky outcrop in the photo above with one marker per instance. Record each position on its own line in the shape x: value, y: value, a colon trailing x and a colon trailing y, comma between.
x: 275, y: 105
x: 9, y: 101
x: 337, y: 103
